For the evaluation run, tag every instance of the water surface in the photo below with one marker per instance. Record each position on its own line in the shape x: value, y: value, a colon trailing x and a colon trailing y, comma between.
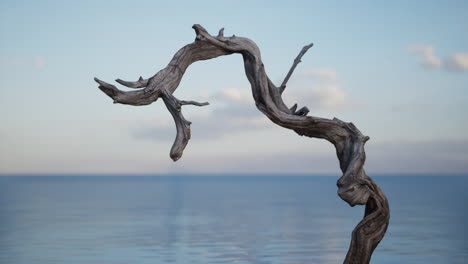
x: 222, y: 219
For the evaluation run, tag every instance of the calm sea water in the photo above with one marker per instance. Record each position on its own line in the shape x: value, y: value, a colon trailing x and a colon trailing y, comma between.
x: 222, y: 219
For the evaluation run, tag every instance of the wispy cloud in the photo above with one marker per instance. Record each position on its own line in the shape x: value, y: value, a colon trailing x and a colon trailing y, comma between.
x: 320, y: 90
x: 233, y: 110
x: 234, y: 96
x: 427, y: 53
x: 457, y: 62
x: 217, y: 124
x: 322, y: 97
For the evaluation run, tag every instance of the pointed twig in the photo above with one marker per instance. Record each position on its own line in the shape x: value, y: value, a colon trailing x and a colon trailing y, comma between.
x: 293, y: 108
x: 108, y: 89
x: 296, y: 62
x: 302, y: 112
x: 221, y: 33
x: 137, y: 84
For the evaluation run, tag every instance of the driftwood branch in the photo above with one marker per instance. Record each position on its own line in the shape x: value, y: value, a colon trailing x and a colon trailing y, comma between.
x: 354, y: 186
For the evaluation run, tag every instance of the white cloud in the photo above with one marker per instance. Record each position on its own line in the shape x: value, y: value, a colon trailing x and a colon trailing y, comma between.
x: 322, y: 97
x: 325, y: 95
x: 457, y: 62
x: 427, y: 53
x: 231, y: 95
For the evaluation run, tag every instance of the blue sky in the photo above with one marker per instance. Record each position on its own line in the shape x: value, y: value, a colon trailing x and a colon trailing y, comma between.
x: 398, y: 70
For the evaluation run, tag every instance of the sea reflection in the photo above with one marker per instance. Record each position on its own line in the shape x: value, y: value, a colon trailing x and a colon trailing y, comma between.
x: 219, y: 219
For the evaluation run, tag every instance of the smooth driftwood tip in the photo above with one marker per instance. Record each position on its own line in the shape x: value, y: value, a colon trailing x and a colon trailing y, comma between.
x: 175, y: 156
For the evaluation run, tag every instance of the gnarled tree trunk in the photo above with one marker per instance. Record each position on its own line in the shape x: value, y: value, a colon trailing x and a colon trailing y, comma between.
x: 354, y: 186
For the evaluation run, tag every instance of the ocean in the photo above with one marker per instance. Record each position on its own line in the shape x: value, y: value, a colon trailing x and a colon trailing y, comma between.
x: 223, y: 219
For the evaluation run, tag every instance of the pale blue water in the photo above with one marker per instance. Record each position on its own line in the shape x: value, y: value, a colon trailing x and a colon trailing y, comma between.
x: 222, y: 219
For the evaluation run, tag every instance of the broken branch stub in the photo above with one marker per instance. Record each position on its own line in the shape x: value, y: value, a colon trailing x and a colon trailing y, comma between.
x: 355, y: 187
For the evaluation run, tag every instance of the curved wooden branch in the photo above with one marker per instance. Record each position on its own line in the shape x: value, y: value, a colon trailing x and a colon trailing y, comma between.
x: 355, y: 186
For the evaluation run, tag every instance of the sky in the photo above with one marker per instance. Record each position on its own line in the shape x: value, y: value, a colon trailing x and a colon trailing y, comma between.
x: 397, y: 69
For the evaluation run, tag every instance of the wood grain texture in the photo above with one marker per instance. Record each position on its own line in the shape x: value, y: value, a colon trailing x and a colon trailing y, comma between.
x: 355, y: 187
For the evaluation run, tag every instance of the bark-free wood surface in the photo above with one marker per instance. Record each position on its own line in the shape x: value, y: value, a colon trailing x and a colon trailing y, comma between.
x: 355, y: 186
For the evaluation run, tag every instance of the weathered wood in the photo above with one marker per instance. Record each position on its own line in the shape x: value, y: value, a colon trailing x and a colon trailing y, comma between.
x: 293, y: 67
x: 355, y: 187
